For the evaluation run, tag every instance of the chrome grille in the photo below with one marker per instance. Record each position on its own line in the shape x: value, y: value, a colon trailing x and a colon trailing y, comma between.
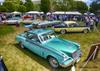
x: 75, y: 55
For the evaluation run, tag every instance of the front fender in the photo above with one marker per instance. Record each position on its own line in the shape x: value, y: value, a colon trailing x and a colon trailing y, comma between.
x: 20, y: 38
x: 54, y: 53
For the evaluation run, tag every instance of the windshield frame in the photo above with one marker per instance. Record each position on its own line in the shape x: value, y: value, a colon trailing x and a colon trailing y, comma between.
x: 41, y: 37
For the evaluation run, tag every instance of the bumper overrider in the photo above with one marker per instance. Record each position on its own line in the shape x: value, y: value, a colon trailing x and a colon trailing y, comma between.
x: 69, y: 62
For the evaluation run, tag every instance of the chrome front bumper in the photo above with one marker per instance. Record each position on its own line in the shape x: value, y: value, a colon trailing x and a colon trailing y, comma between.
x: 70, y: 63
x: 67, y: 65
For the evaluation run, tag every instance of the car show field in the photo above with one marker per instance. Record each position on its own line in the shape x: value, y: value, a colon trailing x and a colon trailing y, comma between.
x: 18, y: 59
x: 49, y: 35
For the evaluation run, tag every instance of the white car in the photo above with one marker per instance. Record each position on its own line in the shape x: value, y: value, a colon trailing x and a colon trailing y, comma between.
x: 12, y: 21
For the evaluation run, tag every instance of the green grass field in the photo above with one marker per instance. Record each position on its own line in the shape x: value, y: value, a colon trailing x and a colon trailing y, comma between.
x: 4, y: 30
x: 17, y: 59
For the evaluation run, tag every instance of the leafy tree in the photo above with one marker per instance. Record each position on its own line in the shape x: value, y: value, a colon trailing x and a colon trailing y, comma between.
x: 98, y: 1
x: 69, y: 5
x: 16, y: 7
x: 13, y: 1
x: 45, y: 6
x: 21, y: 8
x: 95, y: 6
x: 3, y: 9
x: 29, y: 5
x: 80, y: 6
x: 9, y: 6
x: 37, y: 7
x: 21, y: 3
x: 63, y: 5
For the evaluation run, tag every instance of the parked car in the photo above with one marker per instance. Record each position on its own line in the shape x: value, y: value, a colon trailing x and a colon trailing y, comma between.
x: 12, y: 20
x: 59, y: 52
x: 27, y: 21
x: 42, y: 24
x: 70, y: 26
x: 33, y: 25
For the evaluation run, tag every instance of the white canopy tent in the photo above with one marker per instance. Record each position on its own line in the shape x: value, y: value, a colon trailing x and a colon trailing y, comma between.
x: 41, y: 12
x: 48, y: 13
x: 58, y: 12
x: 33, y: 12
x: 67, y: 13
x: 91, y: 14
x: 85, y: 14
x: 15, y: 12
x: 73, y: 13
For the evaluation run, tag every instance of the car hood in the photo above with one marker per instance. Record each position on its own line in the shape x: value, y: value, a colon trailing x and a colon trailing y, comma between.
x: 62, y: 45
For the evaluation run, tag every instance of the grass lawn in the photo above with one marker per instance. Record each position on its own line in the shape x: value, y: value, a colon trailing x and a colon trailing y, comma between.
x: 4, y: 30
x: 18, y: 59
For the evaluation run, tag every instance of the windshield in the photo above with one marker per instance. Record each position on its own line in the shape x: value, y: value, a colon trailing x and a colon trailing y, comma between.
x: 47, y: 36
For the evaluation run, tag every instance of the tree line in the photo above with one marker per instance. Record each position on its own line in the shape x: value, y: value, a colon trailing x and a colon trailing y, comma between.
x: 18, y: 5
x: 49, y: 6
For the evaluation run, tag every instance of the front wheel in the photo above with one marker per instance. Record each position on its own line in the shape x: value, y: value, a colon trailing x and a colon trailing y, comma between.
x: 53, y: 62
x: 21, y: 45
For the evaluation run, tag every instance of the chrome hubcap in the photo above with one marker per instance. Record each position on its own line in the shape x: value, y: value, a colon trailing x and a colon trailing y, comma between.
x: 85, y: 31
x: 54, y: 63
x: 63, y: 31
x: 21, y: 45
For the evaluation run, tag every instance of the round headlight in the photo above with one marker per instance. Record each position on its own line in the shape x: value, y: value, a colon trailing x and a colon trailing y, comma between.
x: 65, y: 57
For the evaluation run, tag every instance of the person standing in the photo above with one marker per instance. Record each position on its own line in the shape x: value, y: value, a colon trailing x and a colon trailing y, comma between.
x: 96, y: 21
x: 17, y: 24
x: 87, y: 21
x: 0, y: 20
x: 92, y: 24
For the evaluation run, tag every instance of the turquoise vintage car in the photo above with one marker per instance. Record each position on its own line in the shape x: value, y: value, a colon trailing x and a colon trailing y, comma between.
x: 59, y: 52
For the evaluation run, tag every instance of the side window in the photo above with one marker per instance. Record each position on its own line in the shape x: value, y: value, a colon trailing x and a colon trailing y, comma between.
x: 71, y: 25
x: 77, y: 25
x: 33, y: 37
x: 62, y: 25
x: 29, y: 36
x: 65, y: 25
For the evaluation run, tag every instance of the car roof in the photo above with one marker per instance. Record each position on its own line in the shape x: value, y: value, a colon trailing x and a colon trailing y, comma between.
x: 36, y: 22
x: 56, y: 21
x: 69, y: 22
x: 45, y: 22
x: 39, y: 31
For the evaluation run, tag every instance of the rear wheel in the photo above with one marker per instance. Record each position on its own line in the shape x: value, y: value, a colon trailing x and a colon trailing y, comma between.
x: 53, y: 27
x: 21, y: 45
x: 53, y: 62
x: 63, y: 31
x: 86, y: 31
